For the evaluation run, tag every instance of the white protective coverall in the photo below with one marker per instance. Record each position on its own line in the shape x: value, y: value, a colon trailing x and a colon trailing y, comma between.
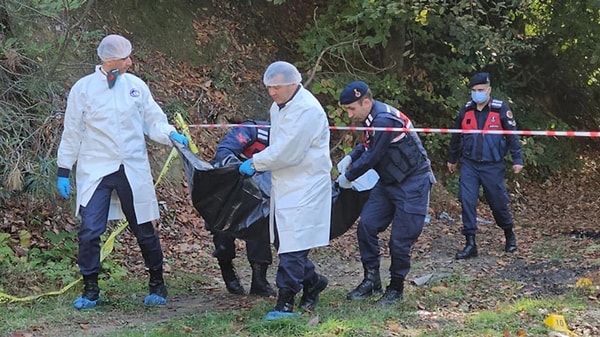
x: 104, y: 128
x: 298, y: 158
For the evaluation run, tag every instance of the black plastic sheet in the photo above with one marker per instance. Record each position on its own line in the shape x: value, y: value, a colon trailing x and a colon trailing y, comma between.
x: 239, y: 205
x: 345, y: 209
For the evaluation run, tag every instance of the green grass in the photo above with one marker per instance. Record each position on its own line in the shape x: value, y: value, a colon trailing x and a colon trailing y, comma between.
x: 423, y: 313
x: 465, y: 304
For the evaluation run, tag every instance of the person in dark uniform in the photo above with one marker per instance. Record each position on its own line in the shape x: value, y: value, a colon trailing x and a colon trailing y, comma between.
x: 240, y: 144
x: 481, y: 157
x: 400, y: 197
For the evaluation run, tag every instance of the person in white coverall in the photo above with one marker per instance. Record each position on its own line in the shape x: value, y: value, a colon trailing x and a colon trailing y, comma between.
x: 108, y: 115
x: 300, y: 210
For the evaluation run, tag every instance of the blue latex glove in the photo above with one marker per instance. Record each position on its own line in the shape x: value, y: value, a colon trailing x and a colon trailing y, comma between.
x: 64, y: 187
x: 178, y: 137
x: 247, y: 168
x: 343, y: 182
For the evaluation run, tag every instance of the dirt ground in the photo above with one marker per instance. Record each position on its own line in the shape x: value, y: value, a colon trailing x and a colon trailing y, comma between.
x: 432, y: 254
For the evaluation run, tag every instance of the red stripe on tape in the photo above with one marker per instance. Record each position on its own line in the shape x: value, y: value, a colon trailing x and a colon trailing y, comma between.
x: 551, y: 133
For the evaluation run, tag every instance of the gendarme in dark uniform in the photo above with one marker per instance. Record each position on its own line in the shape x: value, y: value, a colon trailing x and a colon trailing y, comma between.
x: 481, y: 157
x: 237, y: 145
x: 400, y: 197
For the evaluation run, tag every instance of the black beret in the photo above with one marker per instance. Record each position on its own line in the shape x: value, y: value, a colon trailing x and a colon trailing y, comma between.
x: 479, y: 78
x: 353, y: 91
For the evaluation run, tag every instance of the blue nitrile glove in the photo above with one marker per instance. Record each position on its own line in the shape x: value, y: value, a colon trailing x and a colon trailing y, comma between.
x: 343, y: 182
x: 247, y: 168
x: 342, y: 166
x: 178, y: 137
x: 64, y: 187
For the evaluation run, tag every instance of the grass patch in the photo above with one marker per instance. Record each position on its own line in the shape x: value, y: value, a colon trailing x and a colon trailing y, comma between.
x: 466, y: 303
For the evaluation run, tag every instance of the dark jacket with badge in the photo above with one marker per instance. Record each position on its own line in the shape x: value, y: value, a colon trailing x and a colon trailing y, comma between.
x: 480, y: 147
x: 394, y: 155
x: 243, y: 142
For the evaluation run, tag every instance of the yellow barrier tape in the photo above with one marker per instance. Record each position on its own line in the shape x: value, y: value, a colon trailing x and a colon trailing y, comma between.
x: 186, y: 132
x: 109, y: 244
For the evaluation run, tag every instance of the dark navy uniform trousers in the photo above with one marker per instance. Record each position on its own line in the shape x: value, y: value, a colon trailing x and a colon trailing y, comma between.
x: 405, y: 206
x: 256, y: 251
x: 94, y: 221
x: 295, y: 270
x: 490, y: 175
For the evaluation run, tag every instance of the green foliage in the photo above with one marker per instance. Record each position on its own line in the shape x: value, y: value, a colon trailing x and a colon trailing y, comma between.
x: 7, y: 255
x: 419, y: 56
x: 58, y: 262
x: 32, y: 87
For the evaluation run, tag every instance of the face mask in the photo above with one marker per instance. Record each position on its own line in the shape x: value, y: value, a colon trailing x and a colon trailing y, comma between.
x: 479, y: 96
x: 111, y: 78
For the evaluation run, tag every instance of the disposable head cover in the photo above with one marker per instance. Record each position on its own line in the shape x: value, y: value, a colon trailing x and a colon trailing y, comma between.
x: 281, y: 73
x: 114, y: 47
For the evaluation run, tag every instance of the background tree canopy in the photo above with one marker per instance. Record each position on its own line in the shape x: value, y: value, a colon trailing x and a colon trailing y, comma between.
x: 418, y: 55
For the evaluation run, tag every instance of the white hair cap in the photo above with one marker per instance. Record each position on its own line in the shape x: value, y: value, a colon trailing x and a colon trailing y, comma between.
x: 281, y: 73
x: 113, y: 47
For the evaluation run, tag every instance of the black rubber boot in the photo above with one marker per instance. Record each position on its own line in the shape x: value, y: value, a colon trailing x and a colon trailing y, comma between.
x: 284, y: 307
x: 232, y: 281
x: 470, y: 249
x: 511, y: 241
x: 90, y: 295
x: 156, y: 284
x: 393, y: 293
x: 370, y: 285
x: 91, y: 291
x: 260, y: 286
x: 285, y: 301
x: 310, y: 294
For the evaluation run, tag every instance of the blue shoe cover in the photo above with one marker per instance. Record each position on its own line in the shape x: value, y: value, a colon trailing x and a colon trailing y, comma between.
x: 84, y: 303
x: 274, y: 315
x: 154, y: 299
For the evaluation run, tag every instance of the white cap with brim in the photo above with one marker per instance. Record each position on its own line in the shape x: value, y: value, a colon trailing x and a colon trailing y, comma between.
x: 114, y: 47
x: 281, y: 73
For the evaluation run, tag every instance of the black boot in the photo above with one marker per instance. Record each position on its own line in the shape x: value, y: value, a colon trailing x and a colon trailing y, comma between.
x: 310, y: 294
x: 232, y: 281
x: 260, y: 286
x: 511, y: 241
x: 470, y: 249
x: 156, y: 284
x: 285, y: 301
x: 91, y: 293
x: 157, y: 291
x: 284, y: 307
x: 370, y: 285
x: 393, y: 292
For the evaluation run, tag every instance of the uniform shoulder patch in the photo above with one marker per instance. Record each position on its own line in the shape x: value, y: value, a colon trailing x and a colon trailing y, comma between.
x: 509, y: 114
x: 496, y: 103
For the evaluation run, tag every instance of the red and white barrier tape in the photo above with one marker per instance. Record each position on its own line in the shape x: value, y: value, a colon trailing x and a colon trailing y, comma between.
x: 593, y: 134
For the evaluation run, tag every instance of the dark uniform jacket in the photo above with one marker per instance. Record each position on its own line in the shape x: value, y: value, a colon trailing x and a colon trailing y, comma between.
x: 394, y: 155
x: 243, y: 142
x: 478, y: 147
